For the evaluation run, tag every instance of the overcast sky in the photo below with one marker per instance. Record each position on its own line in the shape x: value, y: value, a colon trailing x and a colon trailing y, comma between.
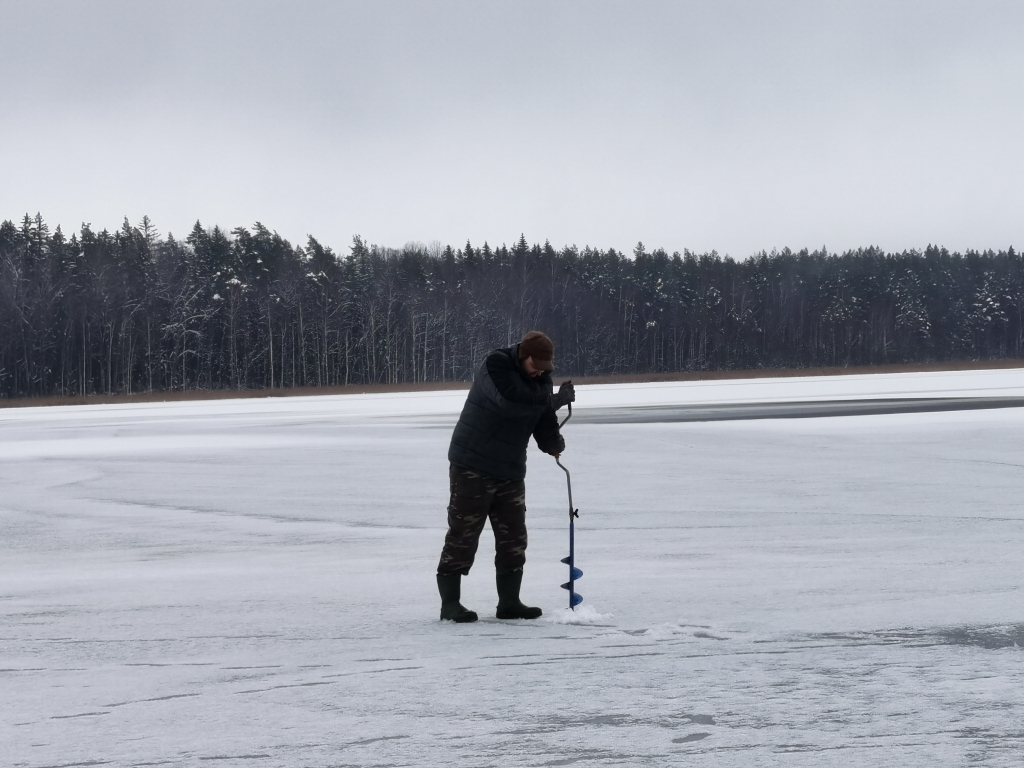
x: 736, y: 126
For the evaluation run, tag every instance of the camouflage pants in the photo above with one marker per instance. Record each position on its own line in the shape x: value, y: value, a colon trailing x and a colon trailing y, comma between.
x: 475, y: 498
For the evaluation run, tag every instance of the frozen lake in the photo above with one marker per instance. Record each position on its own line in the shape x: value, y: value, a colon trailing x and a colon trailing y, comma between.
x: 250, y: 582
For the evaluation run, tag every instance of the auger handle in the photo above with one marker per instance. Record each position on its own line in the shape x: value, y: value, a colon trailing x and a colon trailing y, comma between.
x: 567, y: 417
x: 568, y: 482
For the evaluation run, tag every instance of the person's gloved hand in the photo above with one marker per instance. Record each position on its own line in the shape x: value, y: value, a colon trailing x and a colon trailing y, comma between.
x: 566, y: 394
x: 560, y: 448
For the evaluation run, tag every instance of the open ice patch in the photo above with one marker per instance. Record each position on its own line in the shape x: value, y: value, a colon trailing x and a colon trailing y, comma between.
x: 585, y: 614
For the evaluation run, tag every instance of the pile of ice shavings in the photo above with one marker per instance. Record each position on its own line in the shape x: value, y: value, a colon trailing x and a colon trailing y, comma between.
x: 584, y: 614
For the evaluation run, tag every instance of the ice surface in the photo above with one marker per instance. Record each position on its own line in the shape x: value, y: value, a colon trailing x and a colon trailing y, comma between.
x: 251, y: 582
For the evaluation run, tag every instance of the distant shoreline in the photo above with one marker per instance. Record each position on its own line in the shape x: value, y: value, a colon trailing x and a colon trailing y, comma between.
x: 440, y: 386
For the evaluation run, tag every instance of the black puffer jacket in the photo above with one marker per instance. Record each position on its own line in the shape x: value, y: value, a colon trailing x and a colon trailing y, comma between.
x: 505, y: 406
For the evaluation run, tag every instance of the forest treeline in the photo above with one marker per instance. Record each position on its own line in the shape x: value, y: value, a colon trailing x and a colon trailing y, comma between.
x: 129, y: 310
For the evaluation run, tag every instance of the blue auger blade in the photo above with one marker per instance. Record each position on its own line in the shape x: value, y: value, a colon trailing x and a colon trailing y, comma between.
x: 565, y: 560
x: 567, y: 585
x: 577, y: 599
x: 576, y: 574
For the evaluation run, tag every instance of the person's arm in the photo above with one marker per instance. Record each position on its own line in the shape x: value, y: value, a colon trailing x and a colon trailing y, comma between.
x: 546, y: 433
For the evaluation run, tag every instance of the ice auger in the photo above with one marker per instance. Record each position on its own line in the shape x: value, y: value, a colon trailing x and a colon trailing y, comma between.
x: 574, y: 573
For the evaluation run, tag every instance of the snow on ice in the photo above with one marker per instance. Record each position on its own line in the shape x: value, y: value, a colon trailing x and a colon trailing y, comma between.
x: 583, y: 614
x: 251, y: 582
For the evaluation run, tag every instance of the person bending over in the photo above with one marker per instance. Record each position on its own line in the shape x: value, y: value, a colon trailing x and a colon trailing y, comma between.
x: 511, y: 399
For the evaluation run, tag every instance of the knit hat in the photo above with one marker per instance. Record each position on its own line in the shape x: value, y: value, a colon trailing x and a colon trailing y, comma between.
x: 538, y: 346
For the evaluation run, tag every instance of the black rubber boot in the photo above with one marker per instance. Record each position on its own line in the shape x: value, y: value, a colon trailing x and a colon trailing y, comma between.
x: 509, y: 606
x: 450, y: 587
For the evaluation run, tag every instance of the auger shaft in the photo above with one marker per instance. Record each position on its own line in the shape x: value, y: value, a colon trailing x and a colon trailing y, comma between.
x: 574, y: 573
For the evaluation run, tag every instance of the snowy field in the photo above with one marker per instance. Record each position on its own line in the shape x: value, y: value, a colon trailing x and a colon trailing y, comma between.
x: 251, y: 582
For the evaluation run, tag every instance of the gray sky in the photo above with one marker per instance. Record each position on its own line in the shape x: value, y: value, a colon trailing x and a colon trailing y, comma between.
x: 737, y: 126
